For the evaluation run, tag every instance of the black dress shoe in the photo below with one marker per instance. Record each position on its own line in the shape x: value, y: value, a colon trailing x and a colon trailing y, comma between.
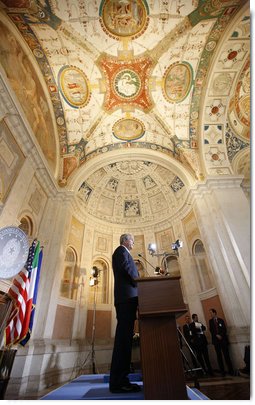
x: 126, y: 389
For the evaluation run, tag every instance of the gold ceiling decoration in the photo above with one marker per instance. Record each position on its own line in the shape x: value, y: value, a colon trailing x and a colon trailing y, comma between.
x: 123, y: 18
x: 127, y: 82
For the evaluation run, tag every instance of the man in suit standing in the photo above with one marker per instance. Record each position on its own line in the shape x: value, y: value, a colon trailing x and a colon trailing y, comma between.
x: 126, y: 303
x: 188, y: 336
x: 186, y: 329
x: 199, y: 342
x: 220, y: 341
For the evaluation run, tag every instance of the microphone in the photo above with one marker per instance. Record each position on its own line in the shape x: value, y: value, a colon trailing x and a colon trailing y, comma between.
x: 154, y: 268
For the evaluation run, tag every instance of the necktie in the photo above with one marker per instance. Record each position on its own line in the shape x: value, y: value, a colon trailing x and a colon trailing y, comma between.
x: 216, y: 326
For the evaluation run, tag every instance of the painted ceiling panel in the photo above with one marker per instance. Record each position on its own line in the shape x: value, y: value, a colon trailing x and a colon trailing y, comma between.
x: 167, y: 79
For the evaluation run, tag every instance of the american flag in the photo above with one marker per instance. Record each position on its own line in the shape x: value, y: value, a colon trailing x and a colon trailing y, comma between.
x: 35, y: 277
x: 21, y: 292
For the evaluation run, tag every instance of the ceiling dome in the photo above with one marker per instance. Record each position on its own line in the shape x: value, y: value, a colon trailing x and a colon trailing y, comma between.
x: 134, y: 192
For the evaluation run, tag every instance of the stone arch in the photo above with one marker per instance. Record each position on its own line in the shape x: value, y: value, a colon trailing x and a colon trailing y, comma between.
x: 118, y: 156
x: 70, y: 278
x: 100, y: 284
x: 218, y: 104
x: 203, y: 271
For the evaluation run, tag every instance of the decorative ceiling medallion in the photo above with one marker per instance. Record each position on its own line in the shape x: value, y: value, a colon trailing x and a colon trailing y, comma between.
x: 74, y: 87
x: 177, y: 82
x: 127, y: 82
x: 128, y: 129
x: 239, y: 106
x: 124, y: 18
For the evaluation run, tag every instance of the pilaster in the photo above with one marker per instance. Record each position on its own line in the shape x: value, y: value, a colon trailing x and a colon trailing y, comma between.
x: 53, y: 234
x: 222, y: 213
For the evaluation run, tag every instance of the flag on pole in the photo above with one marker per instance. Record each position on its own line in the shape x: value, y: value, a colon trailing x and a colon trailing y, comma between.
x: 21, y: 292
x: 36, y: 277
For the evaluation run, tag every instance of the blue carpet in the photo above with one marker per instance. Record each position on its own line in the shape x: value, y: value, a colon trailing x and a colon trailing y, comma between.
x: 96, y: 386
x: 132, y: 377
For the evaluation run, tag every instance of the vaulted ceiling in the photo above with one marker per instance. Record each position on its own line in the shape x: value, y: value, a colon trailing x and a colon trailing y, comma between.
x: 132, y: 101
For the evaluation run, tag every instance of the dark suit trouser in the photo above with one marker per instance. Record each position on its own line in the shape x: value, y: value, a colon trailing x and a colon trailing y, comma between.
x: 203, y: 358
x: 193, y: 358
x: 222, y: 347
x: 122, y: 350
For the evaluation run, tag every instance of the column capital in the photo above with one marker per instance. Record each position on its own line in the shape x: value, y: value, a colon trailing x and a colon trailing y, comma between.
x: 216, y: 183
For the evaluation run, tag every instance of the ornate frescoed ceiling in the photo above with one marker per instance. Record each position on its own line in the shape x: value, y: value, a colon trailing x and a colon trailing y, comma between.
x: 132, y: 101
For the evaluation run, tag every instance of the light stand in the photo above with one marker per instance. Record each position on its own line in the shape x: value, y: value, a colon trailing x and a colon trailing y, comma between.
x: 93, y: 355
x: 93, y: 282
x: 175, y: 246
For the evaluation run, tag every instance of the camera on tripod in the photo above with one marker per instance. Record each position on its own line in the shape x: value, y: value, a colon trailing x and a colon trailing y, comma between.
x: 94, y: 276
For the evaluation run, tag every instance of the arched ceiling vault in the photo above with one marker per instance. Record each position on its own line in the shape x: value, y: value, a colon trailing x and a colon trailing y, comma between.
x: 118, y: 156
x: 139, y: 99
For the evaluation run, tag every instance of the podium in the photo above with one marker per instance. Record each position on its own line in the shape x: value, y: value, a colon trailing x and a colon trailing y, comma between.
x: 160, y: 302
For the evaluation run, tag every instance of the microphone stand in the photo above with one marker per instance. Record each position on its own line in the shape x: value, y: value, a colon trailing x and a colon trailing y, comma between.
x: 154, y: 268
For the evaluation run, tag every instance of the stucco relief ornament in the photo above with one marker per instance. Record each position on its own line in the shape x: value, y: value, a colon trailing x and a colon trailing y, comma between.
x: 14, y: 248
x: 127, y: 83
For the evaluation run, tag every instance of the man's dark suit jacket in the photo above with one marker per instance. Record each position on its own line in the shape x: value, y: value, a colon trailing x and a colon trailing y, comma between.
x: 187, y: 332
x: 198, y: 340
x: 220, y: 330
x: 125, y: 271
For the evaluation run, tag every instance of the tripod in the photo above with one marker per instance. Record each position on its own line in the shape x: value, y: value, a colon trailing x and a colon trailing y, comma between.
x: 192, y: 371
x: 92, y: 355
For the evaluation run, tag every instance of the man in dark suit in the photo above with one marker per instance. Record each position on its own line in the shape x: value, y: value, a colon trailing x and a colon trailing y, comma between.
x: 220, y: 341
x: 186, y: 329
x: 126, y: 302
x: 188, y: 337
x: 199, y: 342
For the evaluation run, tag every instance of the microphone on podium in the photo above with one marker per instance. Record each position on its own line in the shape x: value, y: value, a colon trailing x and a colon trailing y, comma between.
x: 156, y: 269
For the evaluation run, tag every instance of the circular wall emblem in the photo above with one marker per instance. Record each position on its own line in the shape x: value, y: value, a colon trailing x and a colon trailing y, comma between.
x: 177, y: 82
x: 14, y: 248
x: 74, y: 87
x: 127, y: 84
x: 128, y: 129
x: 124, y: 18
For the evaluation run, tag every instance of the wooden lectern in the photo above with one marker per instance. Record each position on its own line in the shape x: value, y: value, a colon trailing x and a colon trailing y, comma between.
x: 160, y: 302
